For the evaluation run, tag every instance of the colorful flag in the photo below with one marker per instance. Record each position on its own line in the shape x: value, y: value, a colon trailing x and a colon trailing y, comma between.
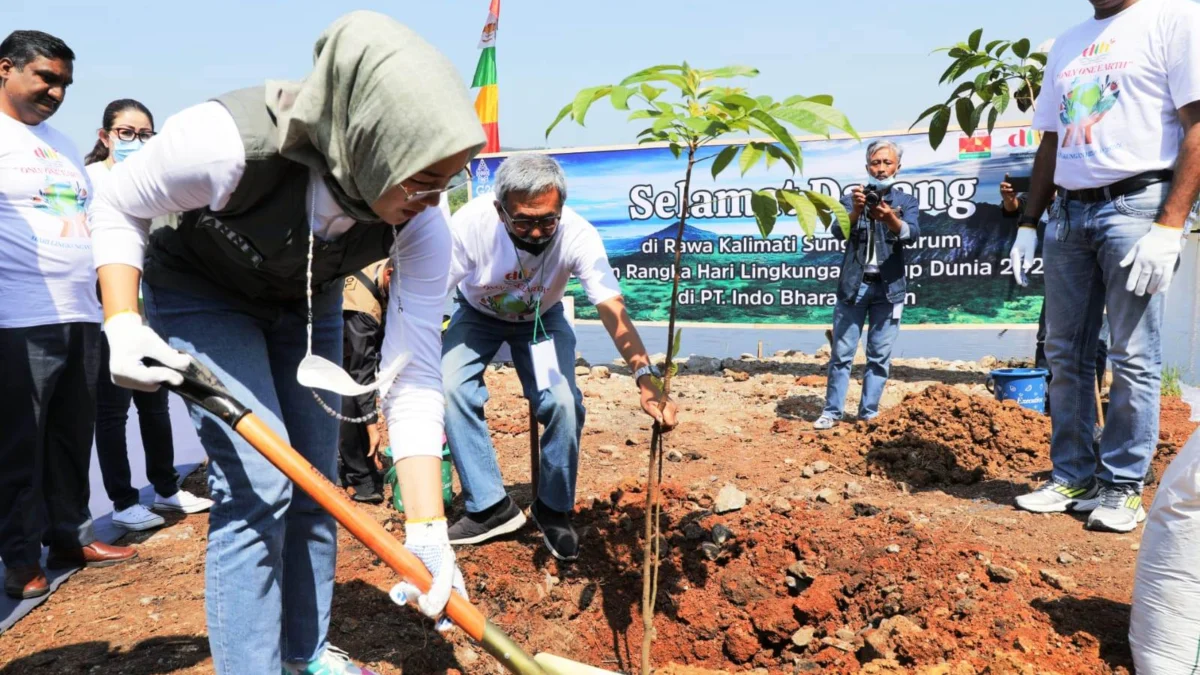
x: 487, y: 103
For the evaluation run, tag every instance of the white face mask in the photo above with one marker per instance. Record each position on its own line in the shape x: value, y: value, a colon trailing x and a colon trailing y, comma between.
x: 317, y: 372
x: 881, y: 182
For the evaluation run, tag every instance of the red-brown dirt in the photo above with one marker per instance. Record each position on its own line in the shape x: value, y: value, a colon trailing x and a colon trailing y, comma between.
x: 904, y: 555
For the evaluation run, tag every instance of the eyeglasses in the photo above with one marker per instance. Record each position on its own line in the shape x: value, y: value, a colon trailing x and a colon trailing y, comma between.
x: 545, y: 223
x: 422, y: 195
x: 127, y: 134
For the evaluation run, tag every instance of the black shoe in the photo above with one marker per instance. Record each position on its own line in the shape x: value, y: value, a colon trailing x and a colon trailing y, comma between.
x: 475, y: 528
x: 368, y: 495
x: 557, y: 532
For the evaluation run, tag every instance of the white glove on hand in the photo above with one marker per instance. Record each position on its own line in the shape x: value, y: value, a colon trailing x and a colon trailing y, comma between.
x: 129, y: 341
x: 431, y: 543
x: 1153, y: 258
x: 1023, y: 251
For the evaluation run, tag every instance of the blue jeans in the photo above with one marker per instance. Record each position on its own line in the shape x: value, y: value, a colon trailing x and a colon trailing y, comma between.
x: 271, y: 550
x: 1084, y: 244
x: 470, y: 343
x: 848, y: 319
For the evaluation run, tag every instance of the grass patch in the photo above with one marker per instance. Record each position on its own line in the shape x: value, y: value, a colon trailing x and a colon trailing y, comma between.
x: 1170, y: 381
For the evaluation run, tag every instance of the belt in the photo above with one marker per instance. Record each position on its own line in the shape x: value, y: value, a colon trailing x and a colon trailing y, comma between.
x: 872, y: 276
x: 1122, y: 187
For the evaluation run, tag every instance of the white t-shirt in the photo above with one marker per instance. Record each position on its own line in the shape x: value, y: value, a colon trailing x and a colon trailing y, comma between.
x: 501, y: 281
x: 46, y: 275
x: 1113, y: 88
x: 197, y: 160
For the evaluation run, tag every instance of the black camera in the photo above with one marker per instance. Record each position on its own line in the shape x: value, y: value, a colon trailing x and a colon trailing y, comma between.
x: 873, y: 194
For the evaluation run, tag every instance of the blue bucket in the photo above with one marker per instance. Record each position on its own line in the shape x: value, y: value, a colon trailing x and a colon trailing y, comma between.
x: 1026, y: 386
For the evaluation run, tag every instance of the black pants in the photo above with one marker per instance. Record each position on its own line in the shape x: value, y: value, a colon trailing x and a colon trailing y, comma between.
x: 47, y: 416
x: 154, y: 420
x: 357, y: 470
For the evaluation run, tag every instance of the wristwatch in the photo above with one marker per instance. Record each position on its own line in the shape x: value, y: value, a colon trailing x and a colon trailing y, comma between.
x: 646, y: 370
x: 1026, y: 220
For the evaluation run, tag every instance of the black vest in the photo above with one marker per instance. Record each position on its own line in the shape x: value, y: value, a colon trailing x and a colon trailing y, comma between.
x: 253, y: 251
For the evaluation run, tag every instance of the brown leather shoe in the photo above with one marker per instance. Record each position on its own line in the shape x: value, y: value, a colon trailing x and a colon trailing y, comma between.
x: 24, y: 582
x: 95, y: 554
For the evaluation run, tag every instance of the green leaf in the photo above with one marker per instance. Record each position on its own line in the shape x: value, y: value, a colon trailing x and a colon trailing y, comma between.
x: 952, y: 72
x: 991, y: 45
x: 766, y: 210
x: 654, y: 70
x: 777, y: 131
x: 663, y: 122
x: 584, y: 99
x: 643, y: 114
x: 963, y: 88
x: 1021, y: 48
x: 976, y: 115
x: 706, y: 126
x: 831, y: 206
x: 1024, y: 98
x: 675, y: 149
x: 976, y: 36
x: 677, y: 80
x: 775, y: 152
x: 815, y: 117
x: 993, y: 115
x: 650, y: 92
x: 729, y: 71
x: 676, y: 342
x: 1002, y: 97
x: 620, y: 97
x: 1040, y: 57
x: 823, y: 99
x: 956, y: 53
x: 1004, y: 46
x: 724, y: 158
x: 764, y: 101
x: 928, y: 111
x: 737, y: 100
x: 937, y: 127
x: 750, y: 156
x: 806, y: 213
x: 962, y: 110
x: 981, y: 82
x: 566, y: 110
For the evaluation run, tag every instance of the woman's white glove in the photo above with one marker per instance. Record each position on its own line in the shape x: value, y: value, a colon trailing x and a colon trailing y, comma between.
x: 130, y: 341
x: 1153, y: 260
x: 1023, y: 251
x: 430, y: 542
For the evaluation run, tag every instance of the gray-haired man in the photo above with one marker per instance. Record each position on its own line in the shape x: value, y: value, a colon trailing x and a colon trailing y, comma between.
x: 513, y: 255
x: 882, y: 222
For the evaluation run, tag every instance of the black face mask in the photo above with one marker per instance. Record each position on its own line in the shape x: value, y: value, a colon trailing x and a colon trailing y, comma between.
x: 530, y: 247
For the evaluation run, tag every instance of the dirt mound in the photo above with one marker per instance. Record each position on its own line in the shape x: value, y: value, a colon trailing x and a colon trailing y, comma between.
x: 942, y: 435
x: 813, y: 591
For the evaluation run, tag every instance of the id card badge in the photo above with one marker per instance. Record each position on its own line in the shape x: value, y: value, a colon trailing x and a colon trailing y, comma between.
x: 545, y: 364
x: 897, y: 310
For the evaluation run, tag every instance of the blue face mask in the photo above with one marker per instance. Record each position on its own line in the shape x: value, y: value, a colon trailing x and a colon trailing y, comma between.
x: 121, y: 150
x: 881, y: 183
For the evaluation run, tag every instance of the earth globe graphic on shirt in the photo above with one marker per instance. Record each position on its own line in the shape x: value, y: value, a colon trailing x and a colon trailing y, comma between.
x: 513, y: 304
x: 1083, y: 106
x: 68, y: 202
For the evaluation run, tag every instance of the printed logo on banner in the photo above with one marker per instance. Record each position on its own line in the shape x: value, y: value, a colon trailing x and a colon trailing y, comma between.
x: 1025, y: 139
x: 482, y: 178
x: 975, y: 147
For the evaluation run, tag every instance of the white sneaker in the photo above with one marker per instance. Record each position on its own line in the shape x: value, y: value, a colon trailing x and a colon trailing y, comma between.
x: 137, y: 518
x: 1120, y: 509
x: 182, y: 502
x: 824, y: 422
x: 1054, y: 497
x: 332, y: 661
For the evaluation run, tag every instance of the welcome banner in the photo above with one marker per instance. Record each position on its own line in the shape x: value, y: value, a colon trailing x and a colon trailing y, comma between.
x: 958, y: 270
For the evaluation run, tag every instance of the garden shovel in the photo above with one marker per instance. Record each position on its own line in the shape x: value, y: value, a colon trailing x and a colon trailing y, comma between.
x: 201, y: 387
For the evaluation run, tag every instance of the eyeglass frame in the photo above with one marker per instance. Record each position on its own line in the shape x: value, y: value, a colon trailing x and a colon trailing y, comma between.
x: 143, y: 136
x: 421, y: 195
x: 547, y: 224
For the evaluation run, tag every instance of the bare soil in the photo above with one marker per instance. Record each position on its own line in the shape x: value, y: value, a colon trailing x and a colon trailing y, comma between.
x: 879, y: 547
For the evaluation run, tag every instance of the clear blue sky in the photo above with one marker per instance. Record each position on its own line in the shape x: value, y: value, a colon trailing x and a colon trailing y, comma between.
x: 873, y: 57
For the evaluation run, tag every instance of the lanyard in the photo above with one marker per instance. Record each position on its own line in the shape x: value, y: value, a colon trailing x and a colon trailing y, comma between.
x: 537, y: 310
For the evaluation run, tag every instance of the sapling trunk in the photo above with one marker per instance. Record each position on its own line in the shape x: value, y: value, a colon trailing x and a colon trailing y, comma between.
x: 650, y: 546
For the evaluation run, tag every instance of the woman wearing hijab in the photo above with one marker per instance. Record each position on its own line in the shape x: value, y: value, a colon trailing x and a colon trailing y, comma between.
x: 286, y: 189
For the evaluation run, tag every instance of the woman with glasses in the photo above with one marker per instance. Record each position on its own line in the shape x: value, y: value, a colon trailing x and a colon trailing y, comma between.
x: 125, y: 128
x: 285, y: 189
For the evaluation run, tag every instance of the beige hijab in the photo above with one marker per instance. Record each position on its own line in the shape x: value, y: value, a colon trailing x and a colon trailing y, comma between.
x: 379, y: 106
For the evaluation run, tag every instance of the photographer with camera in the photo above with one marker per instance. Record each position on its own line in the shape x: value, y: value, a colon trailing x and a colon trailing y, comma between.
x: 882, y: 222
